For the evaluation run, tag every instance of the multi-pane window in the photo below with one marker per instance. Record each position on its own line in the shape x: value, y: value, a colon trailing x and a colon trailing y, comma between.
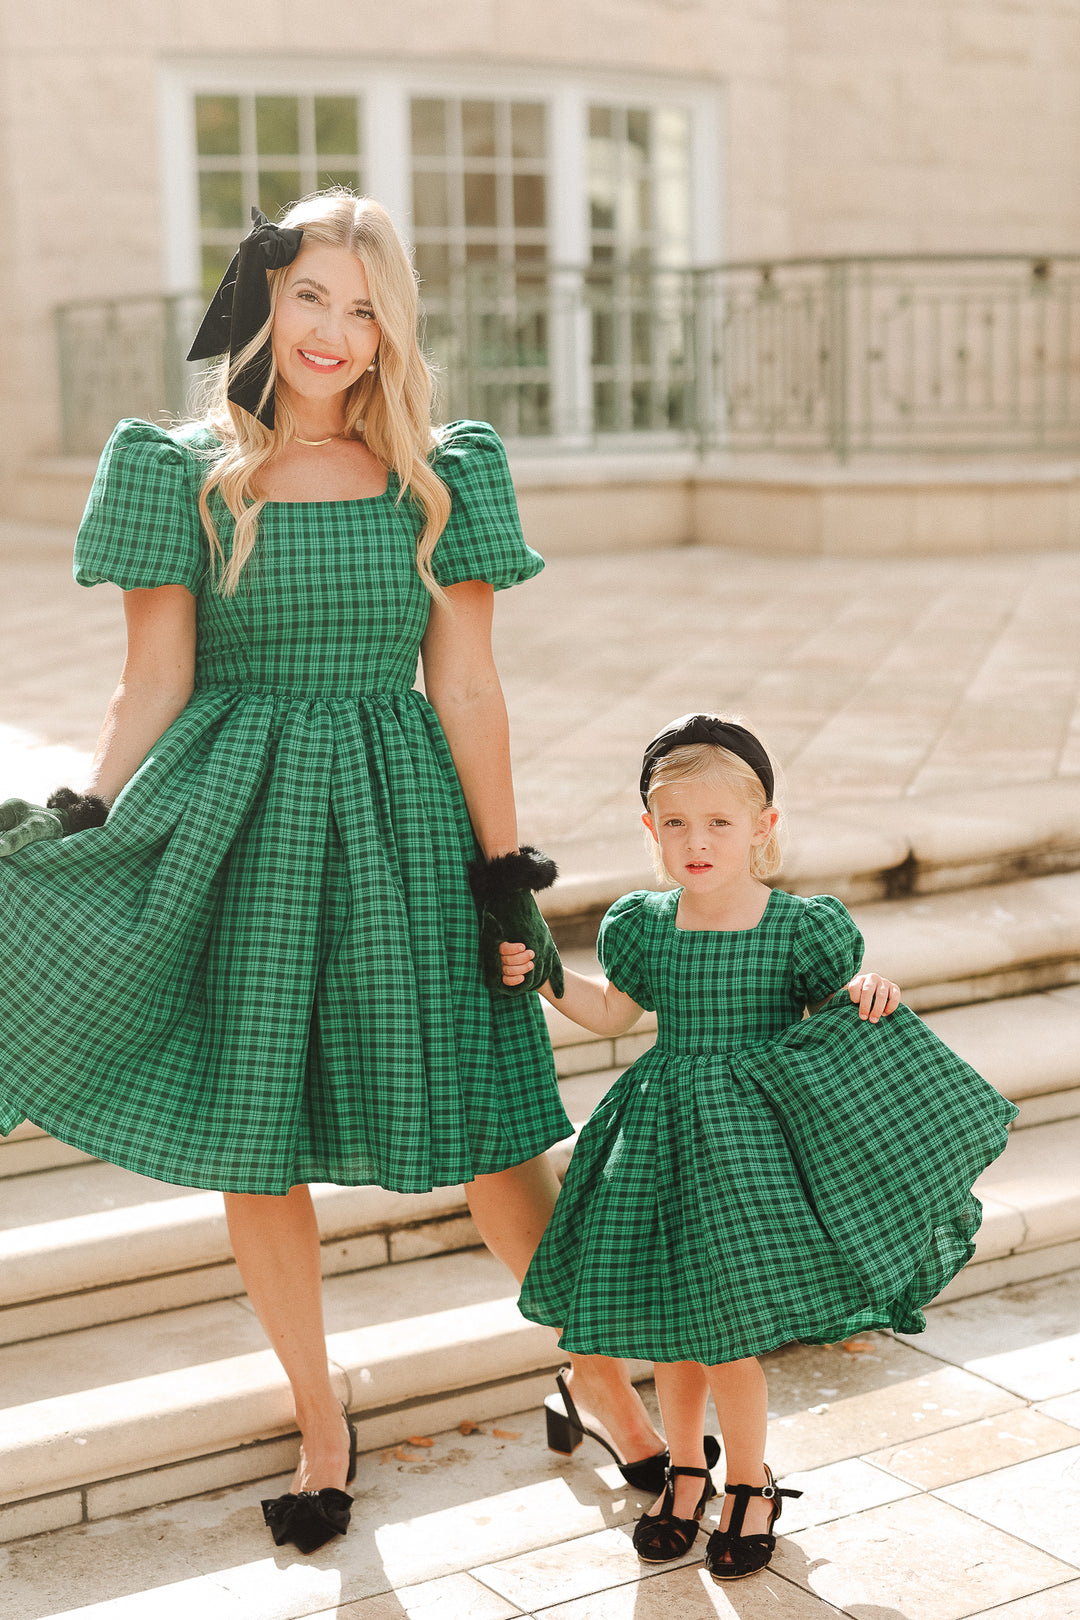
x: 479, y: 184
x: 639, y: 185
x: 554, y: 227
x: 639, y: 230
x: 480, y: 228
x: 267, y: 150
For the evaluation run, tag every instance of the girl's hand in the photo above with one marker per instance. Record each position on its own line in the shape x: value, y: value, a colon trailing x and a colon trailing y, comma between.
x: 877, y: 997
x: 516, y: 962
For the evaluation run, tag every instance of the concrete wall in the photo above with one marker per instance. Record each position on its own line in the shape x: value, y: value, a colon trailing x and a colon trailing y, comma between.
x: 863, y: 125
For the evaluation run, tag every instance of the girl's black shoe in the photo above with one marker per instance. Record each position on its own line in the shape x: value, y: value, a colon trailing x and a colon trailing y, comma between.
x: 309, y: 1519
x: 730, y: 1556
x: 661, y: 1537
x: 565, y: 1431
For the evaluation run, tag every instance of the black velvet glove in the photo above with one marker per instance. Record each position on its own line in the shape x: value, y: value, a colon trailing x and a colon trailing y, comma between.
x: 64, y: 812
x: 503, y: 890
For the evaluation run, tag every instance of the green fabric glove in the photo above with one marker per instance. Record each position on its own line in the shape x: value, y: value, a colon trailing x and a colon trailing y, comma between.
x: 22, y: 824
x: 503, y: 890
x: 66, y: 812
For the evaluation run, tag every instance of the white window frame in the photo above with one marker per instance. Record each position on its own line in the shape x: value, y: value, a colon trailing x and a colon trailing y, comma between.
x: 386, y: 89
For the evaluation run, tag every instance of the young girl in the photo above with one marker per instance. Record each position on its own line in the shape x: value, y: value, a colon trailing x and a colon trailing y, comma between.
x: 756, y: 1178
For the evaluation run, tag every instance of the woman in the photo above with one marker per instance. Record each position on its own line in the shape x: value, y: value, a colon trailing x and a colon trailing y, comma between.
x: 268, y: 954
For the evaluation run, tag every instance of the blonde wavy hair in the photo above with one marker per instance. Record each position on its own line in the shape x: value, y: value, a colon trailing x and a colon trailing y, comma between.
x: 390, y: 408
x: 695, y: 761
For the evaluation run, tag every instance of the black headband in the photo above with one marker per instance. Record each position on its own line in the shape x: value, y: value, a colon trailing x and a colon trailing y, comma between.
x: 705, y: 728
x: 241, y: 306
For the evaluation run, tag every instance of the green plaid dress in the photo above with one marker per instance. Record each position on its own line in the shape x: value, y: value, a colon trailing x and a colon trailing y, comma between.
x: 264, y: 969
x: 758, y: 1178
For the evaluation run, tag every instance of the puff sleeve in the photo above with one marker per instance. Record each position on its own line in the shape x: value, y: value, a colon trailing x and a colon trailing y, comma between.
x: 621, y: 947
x: 828, y: 949
x: 141, y: 524
x: 482, y: 538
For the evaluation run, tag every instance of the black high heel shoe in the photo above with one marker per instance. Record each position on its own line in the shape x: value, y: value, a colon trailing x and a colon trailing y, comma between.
x: 310, y: 1518
x: 661, y: 1537
x: 730, y: 1556
x: 565, y: 1431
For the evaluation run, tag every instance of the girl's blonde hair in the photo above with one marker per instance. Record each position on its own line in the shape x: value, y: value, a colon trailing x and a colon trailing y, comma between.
x: 389, y: 408
x: 693, y: 762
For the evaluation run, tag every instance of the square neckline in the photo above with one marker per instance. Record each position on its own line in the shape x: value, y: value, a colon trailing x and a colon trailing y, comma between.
x: 723, y: 931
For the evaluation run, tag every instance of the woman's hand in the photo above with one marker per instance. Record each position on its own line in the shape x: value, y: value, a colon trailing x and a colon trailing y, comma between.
x: 516, y: 962
x: 876, y: 997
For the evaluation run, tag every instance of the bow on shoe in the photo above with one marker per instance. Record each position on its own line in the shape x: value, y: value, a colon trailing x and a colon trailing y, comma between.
x: 309, y: 1518
x: 241, y: 307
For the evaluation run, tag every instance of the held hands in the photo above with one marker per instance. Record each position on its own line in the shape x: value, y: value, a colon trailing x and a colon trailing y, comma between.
x: 876, y: 997
x: 503, y: 888
x: 517, y: 961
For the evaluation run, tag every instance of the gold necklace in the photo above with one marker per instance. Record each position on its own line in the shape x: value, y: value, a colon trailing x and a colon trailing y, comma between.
x: 316, y: 442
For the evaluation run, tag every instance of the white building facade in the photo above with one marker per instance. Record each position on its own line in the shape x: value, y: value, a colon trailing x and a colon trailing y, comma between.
x: 517, y: 140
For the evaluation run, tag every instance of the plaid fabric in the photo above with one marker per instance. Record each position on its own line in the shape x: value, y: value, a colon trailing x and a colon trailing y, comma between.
x: 264, y: 969
x: 757, y: 1177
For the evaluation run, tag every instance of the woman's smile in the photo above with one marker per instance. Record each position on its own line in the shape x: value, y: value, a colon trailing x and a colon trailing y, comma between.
x: 325, y: 335
x: 321, y: 362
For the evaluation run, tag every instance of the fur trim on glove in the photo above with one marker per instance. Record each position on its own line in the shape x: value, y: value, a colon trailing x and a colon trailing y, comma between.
x: 524, y: 868
x: 78, y: 811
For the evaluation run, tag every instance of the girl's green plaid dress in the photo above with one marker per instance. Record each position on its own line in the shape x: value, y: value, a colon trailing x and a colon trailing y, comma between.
x: 264, y: 969
x: 756, y: 1177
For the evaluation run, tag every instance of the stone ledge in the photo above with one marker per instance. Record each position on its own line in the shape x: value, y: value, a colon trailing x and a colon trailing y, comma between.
x: 877, y: 850
x: 190, y: 1428
x: 68, y: 1441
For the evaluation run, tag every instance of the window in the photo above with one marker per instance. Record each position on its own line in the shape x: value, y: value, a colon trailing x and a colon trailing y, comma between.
x: 639, y: 185
x: 639, y: 234
x: 480, y: 227
x: 555, y: 218
x: 267, y: 150
x: 479, y: 184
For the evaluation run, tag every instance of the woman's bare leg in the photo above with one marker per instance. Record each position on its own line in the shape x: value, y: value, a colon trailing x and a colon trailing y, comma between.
x: 742, y: 1400
x: 276, y: 1244
x: 511, y: 1209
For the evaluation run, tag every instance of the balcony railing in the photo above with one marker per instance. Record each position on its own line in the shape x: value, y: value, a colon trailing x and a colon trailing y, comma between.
x: 837, y: 356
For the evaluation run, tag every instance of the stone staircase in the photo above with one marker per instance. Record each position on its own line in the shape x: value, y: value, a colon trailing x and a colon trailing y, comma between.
x: 133, y: 1371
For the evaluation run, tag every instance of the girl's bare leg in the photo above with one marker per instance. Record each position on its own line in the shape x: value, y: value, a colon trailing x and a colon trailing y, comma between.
x: 511, y: 1209
x: 276, y: 1244
x: 742, y: 1402
x: 683, y: 1392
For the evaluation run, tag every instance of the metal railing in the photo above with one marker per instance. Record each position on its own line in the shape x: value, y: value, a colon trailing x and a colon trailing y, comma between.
x: 840, y: 356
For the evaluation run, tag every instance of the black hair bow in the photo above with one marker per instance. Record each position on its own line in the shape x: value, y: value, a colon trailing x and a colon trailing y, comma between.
x: 241, y: 306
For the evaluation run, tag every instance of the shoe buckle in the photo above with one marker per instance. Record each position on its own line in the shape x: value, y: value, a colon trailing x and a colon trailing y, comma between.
x: 768, y: 1492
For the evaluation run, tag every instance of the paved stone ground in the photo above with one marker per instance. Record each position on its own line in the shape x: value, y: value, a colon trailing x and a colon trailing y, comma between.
x: 941, y: 1477
x: 871, y: 679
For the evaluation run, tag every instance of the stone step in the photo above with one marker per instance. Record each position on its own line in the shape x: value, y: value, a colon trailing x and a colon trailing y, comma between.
x: 881, y: 850
x: 946, y: 949
x: 106, y: 1419
x: 1028, y: 1046
x: 978, y: 944
x: 85, y: 1242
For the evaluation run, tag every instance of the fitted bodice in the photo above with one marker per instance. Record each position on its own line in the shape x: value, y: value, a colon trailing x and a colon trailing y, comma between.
x: 329, y: 604
x: 722, y: 991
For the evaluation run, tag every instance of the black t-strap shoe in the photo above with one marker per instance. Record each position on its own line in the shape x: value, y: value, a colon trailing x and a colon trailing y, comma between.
x: 730, y: 1556
x: 661, y: 1537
